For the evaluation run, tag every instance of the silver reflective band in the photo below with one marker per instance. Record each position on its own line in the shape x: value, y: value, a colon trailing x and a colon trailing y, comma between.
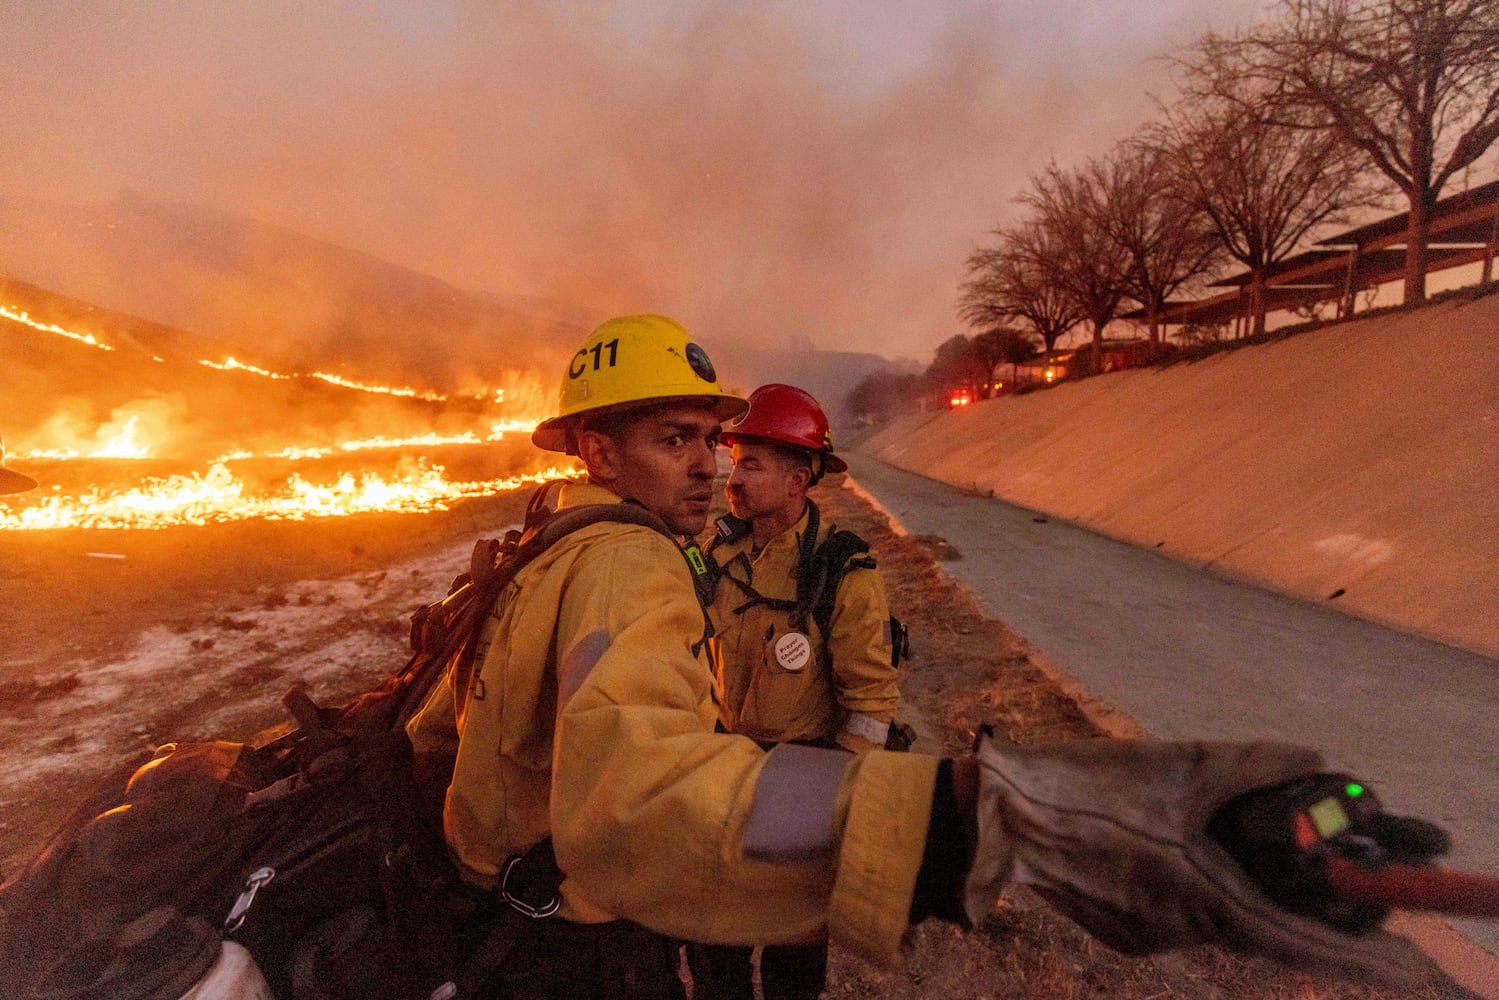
x: 791, y: 817
x: 580, y: 660
x: 868, y: 727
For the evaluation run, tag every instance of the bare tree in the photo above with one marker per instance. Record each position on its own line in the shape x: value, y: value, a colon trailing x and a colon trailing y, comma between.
x: 880, y: 396
x: 1079, y: 254
x: 1263, y: 186
x: 1006, y: 282
x: 1412, y: 84
x: 1166, y: 238
x: 1003, y: 345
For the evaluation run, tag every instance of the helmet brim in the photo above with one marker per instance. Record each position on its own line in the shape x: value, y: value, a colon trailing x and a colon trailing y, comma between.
x: 551, y: 434
x: 14, y: 482
x: 830, y: 462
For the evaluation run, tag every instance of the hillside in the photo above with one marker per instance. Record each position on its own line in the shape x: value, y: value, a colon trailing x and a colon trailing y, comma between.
x: 59, y: 391
x: 1357, y: 464
x: 292, y: 300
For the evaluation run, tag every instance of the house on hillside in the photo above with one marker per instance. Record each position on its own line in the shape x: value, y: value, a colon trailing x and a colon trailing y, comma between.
x: 1057, y: 366
x: 1044, y: 369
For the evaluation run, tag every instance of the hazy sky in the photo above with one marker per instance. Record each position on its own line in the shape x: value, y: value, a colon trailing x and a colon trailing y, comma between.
x: 770, y: 170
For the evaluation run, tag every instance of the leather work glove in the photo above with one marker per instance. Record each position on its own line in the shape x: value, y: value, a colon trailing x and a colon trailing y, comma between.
x: 1113, y: 833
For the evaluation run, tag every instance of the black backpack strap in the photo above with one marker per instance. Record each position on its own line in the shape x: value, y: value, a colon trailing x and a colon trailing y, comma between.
x: 841, y: 552
x: 554, y: 525
x: 706, y: 572
x: 446, y: 633
x: 844, y: 551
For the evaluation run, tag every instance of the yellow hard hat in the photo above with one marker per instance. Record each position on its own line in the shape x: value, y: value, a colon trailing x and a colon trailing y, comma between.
x: 632, y: 360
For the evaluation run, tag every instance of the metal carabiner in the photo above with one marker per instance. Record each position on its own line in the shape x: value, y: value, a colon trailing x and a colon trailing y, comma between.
x: 258, y: 878
x: 520, y: 905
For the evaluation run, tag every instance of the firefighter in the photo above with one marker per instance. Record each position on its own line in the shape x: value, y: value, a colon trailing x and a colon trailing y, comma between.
x: 10, y: 480
x: 585, y: 744
x: 785, y: 672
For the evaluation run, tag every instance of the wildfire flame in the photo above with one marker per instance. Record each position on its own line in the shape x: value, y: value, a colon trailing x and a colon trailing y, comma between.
x: 20, y: 316
x: 124, y: 444
x: 233, y: 364
x: 219, y: 496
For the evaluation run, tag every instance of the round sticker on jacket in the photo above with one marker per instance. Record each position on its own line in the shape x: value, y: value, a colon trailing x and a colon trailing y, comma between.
x: 793, y: 651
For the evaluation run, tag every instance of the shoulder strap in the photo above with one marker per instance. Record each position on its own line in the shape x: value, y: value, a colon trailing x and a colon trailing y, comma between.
x: 842, y: 551
x: 550, y: 526
x: 446, y: 633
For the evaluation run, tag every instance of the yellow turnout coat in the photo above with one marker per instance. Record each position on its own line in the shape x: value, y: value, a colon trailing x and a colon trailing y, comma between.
x: 590, y: 719
x: 839, y: 687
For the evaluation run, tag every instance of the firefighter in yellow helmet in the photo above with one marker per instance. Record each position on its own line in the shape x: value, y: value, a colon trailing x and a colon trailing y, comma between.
x: 802, y: 640
x: 591, y: 793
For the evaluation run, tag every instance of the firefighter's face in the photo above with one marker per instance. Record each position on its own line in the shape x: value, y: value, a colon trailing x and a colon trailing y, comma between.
x: 666, y: 460
x: 765, y: 481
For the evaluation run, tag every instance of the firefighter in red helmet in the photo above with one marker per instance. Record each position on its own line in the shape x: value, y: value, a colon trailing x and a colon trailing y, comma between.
x: 803, y: 636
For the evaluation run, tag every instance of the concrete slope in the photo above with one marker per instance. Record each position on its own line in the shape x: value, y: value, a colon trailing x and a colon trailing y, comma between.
x: 1360, y: 460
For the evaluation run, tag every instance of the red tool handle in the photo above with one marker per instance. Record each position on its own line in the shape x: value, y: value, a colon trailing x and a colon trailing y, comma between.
x: 1416, y: 887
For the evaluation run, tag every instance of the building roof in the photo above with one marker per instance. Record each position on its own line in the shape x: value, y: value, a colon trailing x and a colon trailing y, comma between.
x: 1461, y: 229
x: 1467, y: 217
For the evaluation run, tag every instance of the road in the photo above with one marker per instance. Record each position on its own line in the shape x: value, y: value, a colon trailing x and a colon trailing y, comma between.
x: 1187, y: 653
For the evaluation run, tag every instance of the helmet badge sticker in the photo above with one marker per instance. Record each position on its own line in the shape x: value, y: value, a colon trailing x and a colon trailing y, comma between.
x: 697, y: 359
x: 793, y: 651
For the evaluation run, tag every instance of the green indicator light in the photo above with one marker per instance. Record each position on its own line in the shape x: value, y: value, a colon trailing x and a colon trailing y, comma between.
x: 1354, y: 789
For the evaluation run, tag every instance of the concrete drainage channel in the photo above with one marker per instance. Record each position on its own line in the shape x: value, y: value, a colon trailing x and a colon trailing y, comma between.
x: 1232, y: 662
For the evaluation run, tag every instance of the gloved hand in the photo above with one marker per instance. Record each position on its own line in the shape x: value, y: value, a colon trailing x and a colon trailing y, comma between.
x: 1113, y: 833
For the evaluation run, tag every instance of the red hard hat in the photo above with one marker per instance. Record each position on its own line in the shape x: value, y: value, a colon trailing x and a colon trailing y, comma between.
x: 786, y: 414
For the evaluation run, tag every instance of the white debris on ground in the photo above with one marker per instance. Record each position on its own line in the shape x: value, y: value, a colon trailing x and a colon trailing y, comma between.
x: 219, y: 677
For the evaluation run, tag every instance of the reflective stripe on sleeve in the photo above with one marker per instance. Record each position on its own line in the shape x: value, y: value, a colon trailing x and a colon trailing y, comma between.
x: 580, y: 660
x: 791, y: 818
x: 868, y: 727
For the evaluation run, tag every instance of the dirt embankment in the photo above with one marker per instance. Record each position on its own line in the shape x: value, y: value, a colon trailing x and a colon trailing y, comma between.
x: 1357, y: 464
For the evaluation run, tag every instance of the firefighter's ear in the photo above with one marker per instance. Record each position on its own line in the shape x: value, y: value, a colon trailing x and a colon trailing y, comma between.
x: 600, y: 454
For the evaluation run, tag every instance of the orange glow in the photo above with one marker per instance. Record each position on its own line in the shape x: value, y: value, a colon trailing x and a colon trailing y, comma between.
x: 124, y: 444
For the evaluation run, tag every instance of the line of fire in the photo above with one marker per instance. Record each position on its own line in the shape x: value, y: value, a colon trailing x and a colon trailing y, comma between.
x: 192, y: 440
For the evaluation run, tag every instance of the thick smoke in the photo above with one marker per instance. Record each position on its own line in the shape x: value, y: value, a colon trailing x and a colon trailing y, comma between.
x: 763, y: 173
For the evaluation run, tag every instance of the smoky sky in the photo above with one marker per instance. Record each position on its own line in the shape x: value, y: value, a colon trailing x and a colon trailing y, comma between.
x: 761, y: 172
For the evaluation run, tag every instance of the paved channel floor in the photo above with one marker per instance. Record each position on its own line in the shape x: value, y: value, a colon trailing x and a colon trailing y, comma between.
x: 1190, y: 654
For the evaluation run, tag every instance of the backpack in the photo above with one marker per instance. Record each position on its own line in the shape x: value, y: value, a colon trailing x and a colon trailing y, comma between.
x: 314, y: 848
